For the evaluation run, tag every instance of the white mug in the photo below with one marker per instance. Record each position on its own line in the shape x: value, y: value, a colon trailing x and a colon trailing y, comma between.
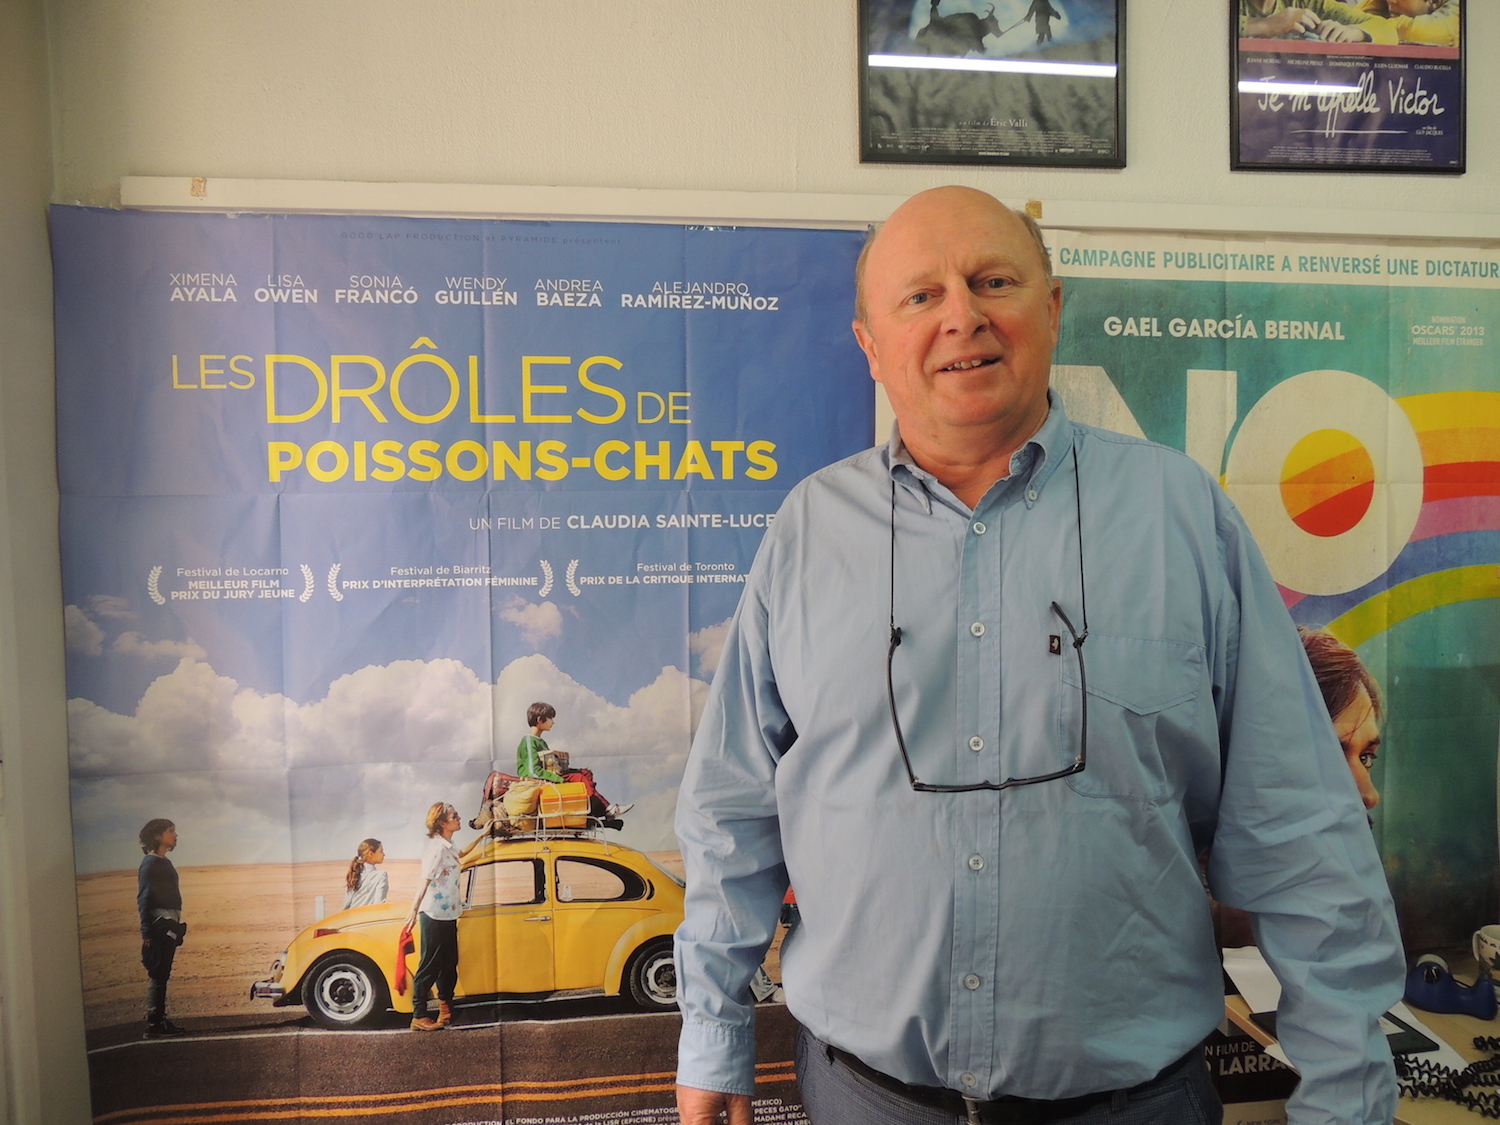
x: 1486, y: 949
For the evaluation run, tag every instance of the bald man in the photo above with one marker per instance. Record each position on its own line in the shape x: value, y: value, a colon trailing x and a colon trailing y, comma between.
x: 990, y: 690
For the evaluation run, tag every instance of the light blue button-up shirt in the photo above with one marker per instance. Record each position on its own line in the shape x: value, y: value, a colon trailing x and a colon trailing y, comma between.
x: 1052, y: 940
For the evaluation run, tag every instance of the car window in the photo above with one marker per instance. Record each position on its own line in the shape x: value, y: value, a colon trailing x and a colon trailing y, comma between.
x: 508, y: 882
x: 585, y: 880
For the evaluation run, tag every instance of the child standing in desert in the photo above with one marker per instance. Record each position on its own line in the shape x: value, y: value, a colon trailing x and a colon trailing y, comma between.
x: 158, y: 900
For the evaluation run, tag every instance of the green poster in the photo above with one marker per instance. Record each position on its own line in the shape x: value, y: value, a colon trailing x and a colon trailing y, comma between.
x: 1348, y: 398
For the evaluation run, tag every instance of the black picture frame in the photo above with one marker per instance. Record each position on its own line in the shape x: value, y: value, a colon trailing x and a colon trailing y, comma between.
x: 959, y: 91
x: 1298, y: 103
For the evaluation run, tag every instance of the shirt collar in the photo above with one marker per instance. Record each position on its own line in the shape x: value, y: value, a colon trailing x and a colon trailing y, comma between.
x: 1035, y: 461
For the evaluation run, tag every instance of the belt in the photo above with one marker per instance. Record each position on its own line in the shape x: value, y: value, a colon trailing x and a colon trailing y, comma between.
x: 1010, y: 1110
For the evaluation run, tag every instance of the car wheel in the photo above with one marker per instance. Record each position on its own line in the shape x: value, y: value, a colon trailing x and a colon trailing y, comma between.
x: 345, y: 990
x: 653, y: 977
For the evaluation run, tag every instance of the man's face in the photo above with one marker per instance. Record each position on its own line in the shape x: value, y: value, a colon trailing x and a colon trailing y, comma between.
x: 961, y: 319
x: 1359, y: 735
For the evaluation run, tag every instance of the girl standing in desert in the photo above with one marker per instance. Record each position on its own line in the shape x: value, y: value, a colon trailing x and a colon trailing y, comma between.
x: 365, y: 886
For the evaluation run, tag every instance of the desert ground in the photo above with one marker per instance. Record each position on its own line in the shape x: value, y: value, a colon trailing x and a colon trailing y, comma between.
x: 239, y: 918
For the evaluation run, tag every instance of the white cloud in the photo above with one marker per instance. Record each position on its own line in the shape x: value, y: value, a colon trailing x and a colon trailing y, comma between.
x: 706, y: 646
x: 538, y: 621
x: 366, y: 759
x: 133, y: 644
x: 633, y: 749
x: 648, y: 826
x: 81, y: 634
x: 333, y: 809
x: 85, y: 636
x: 230, y: 816
x: 407, y: 711
x: 189, y: 719
x: 108, y: 605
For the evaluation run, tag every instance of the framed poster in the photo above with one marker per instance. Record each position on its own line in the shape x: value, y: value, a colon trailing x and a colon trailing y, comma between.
x: 344, y: 497
x: 1036, y: 82
x: 1347, y: 85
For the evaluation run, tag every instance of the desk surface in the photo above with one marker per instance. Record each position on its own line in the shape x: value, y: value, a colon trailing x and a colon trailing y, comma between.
x: 1459, y: 1033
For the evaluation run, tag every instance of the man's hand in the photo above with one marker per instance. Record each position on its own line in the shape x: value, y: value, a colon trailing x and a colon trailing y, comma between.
x: 706, y: 1107
x: 1280, y: 23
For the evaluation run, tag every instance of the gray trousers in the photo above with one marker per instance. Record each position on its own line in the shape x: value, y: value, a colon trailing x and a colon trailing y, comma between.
x: 833, y: 1094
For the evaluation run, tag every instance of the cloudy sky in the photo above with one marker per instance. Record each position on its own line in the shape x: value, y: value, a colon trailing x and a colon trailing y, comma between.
x: 251, y: 777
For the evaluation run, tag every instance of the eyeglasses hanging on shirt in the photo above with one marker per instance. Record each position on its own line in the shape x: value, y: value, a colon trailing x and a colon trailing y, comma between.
x: 1079, y: 762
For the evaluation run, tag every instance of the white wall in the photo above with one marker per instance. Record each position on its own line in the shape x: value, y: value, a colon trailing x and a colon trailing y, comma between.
x: 641, y: 93
x: 41, y: 1022
x: 756, y: 96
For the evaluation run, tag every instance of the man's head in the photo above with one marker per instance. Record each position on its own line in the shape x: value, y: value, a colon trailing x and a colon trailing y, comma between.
x: 957, y: 313
x: 1037, y: 238
x: 1353, y: 700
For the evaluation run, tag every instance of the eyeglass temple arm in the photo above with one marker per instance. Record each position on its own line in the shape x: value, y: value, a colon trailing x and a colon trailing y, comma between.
x: 1083, y: 681
x: 890, y: 694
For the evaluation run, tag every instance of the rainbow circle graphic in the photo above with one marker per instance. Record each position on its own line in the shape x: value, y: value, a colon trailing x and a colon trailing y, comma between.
x: 1453, y: 553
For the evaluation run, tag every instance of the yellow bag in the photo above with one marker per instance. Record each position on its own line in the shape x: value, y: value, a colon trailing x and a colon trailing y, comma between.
x: 520, y: 802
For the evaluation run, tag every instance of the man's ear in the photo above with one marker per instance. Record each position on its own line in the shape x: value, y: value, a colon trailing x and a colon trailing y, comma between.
x: 867, y: 345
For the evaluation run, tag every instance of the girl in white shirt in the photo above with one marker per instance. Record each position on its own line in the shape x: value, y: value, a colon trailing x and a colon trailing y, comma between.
x: 365, y: 886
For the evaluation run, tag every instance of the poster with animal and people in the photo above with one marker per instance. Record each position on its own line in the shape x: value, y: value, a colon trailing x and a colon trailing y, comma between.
x: 398, y: 555
x: 1036, y: 82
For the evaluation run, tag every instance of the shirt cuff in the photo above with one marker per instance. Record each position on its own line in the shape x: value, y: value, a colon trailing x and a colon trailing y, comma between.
x: 712, y: 1056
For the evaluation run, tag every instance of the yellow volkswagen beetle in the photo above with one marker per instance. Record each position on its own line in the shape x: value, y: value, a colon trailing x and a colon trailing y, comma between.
x: 544, y: 918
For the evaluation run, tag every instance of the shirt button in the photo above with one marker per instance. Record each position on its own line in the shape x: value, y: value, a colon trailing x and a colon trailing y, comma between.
x: 976, y: 744
x: 968, y: 1079
x: 977, y: 628
x: 1031, y: 494
x: 971, y: 982
x: 976, y: 862
x: 979, y: 528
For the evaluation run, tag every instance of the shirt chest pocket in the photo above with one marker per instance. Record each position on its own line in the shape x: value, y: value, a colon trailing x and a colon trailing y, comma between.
x: 1141, y: 702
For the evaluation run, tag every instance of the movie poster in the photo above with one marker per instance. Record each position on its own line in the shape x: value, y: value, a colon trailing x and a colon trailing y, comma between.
x: 1036, y: 82
x: 1372, y: 85
x: 342, y: 497
x: 1348, y: 399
